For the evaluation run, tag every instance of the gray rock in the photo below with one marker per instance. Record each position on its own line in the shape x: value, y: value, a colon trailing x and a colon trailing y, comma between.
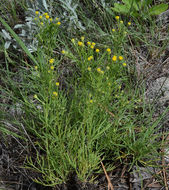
x: 160, y: 88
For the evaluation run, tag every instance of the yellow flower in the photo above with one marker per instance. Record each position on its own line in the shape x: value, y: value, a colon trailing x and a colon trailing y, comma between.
x: 113, y: 30
x: 88, y: 43
x: 92, y: 47
x: 98, y: 69
x: 93, y: 44
x: 108, y: 50
x: 36, y: 67
x: 89, y: 68
x: 56, y: 19
x: 117, y: 17
x: 36, y: 12
x: 73, y: 40
x: 120, y: 58
x: 129, y: 23
x: 52, y: 67
x: 35, y: 96
x: 51, y: 61
x: 58, y: 23
x: 63, y: 51
x: 90, y: 58
x: 97, y: 50
x: 40, y: 16
x: 107, y: 67
x: 47, y: 16
x: 82, y: 38
x: 121, y: 22
x: 50, y: 19
x: 57, y: 83
x: 102, y: 72
x: 55, y: 93
x: 41, y: 23
x: 124, y: 64
x: 91, y: 101
x: 35, y: 18
x: 80, y: 43
x: 114, y: 58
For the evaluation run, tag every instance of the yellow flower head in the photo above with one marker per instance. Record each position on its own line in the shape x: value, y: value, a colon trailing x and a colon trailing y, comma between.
x: 35, y: 18
x: 35, y: 96
x: 88, y: 43
x: 121, y: 22
x: 114, y: 58
x: 36, y: 67
x: 40, y: 16
x: 99, y: 69
x: 51, y: 61
x: 47, y: 16
x: 93, y: 44
x: 58, y: 23
x: 97, y: 50
x: 108, y: 50
x: 113, y: 30
x: 41, y: 23
x: 120, y: 58
x: 52, y: 67
x: 90, y: 58
x: 51, y: 19
x: 91, y: 101
x: 89, y: 68
x: 124, y: 64
x: 55, y: 93
x: 117, y: 17
x: 73, y: 40
x: 80, y: 43
x: 92, y: 47
x: 129, y: 23
x: 102, y: 72
x: 36, y: 12
x: 82, y: 38
x: 63, y: 52
x: 57, y: 83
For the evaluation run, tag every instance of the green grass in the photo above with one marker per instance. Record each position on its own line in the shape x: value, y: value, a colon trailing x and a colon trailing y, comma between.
x: 79, y: 105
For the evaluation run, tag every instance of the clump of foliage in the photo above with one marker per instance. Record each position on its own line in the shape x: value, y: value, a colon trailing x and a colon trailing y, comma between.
x: 95, y: 113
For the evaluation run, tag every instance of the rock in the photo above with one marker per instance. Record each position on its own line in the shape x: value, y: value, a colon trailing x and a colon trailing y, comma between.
x: 159, y: 88
x: 164, y: 18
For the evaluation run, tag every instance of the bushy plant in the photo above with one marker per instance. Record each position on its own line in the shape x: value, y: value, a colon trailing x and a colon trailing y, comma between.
x: 95, y: 114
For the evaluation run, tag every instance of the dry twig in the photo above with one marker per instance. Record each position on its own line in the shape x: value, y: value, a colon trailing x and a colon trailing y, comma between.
x: 110, y: 186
